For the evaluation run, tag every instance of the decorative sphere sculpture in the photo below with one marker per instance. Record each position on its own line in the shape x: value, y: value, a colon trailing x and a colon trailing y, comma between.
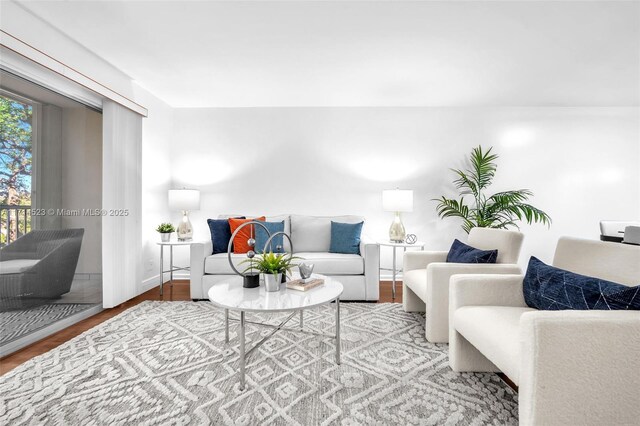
x: 251, y: 242
x: 411, y: 239
x: 251, y: 254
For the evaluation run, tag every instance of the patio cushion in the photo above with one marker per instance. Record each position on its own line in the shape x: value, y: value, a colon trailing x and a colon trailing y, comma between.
x: 16, y: 266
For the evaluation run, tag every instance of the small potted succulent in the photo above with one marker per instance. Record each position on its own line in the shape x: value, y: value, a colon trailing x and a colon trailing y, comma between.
x: 165, y: 230
x: 275, y: 267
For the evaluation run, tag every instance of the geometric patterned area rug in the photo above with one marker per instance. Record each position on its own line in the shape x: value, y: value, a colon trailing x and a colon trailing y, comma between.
x: 167, y: 363
x: 18, y: 323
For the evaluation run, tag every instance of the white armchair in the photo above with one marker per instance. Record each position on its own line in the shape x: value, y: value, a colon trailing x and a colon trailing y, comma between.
x: 572, y: 367
x: 425, y: 284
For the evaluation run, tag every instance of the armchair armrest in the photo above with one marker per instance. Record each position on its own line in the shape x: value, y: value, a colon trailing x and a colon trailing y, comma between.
x: 485, y: 290
x: 580, y: 367
x: 199, y: 251
x: 420, y: 259
x: 437, y: 303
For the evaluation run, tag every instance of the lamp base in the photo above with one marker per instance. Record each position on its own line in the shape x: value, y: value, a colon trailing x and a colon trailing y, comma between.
x: 185, y: 230
x: 397, y: 233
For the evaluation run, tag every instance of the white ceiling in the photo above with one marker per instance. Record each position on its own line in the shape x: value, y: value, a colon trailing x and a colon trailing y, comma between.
x: 429, y: 53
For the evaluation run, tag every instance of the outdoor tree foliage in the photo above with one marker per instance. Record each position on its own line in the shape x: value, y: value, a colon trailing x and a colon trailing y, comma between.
x: 500, y: 210
x: 15, y: 151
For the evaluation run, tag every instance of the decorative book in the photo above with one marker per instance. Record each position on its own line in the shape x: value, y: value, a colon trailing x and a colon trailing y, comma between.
x: 301, y: 285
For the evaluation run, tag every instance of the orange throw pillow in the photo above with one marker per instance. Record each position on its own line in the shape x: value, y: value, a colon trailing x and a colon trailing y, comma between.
x: 240, y: 242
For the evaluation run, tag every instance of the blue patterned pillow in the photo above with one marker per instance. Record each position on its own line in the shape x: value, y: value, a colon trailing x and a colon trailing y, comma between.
x: 462, y: 253
x: 345, y: 237
x: 220, y: 234
x: 552, y: 289
x: 261, y: 236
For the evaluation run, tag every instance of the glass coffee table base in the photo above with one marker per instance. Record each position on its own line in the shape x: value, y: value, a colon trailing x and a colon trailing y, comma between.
x: 244, y: 353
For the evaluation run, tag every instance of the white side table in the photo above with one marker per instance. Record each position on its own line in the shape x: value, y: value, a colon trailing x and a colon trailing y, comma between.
x: 394, y: 269
x: 172, y: 268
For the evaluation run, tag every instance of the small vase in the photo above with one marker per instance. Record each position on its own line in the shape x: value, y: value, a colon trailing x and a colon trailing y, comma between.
x: 272, y: 282
x: 165, y: 237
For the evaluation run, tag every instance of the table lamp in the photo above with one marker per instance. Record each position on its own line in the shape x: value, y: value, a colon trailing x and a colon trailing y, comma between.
x: 184, y: 200
x: 397, y: 201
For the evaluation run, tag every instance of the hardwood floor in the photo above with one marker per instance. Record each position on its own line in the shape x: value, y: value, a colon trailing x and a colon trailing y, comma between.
x: 180, y: 291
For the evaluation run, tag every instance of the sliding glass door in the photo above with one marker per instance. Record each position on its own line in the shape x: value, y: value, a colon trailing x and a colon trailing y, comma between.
x: 50, y: 212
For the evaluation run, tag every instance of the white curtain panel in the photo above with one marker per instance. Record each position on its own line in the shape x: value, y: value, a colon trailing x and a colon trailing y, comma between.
x: 121, y: 199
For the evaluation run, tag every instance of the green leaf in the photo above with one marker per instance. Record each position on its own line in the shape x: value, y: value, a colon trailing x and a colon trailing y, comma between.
x: 500, y: 210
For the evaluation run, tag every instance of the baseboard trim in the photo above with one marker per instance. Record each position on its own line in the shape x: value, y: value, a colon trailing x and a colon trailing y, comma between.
x: 154, y: 281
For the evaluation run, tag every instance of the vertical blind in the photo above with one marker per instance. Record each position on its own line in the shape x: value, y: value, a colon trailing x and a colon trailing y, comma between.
x: 121, y: 203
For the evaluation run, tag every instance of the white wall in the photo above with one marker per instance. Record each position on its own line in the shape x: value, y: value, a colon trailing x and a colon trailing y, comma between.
x: 18, y: 22
x: 581, y: 163
x: 157, y: 137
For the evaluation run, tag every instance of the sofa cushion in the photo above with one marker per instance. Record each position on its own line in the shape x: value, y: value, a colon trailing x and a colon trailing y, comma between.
x: 313, y: 233
x: 549, y: 288
x: 219, y: 264
x: 261, y: 236
x: 345, y: 237
x: 324, y: 263
x: 16, y: 266
x: 333, y: 263
x: 494, y: 331
x: 462, y: 253
x: 416, y: 280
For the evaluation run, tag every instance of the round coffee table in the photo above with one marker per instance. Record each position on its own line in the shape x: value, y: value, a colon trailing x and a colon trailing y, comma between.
x: 230, y: 295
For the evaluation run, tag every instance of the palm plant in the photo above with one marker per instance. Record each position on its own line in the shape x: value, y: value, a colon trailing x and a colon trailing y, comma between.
x: 500, y: 210
x: 271, y: 263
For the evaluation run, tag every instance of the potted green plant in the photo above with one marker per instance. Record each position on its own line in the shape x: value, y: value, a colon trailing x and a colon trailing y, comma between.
x: 274, y: 266
x: 165, y: 230
x: 500, y: 210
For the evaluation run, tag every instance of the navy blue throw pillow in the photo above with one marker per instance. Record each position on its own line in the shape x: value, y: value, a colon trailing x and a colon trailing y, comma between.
x: 462, y: 253
x: 220, y: 234
x: 261, y: 236
x: 345, y: 237
x: 553, y: 289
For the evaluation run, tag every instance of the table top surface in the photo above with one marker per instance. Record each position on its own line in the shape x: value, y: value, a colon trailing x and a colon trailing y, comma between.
x: 174, y: 243
x: 231, y: 295
x: 391, y: 244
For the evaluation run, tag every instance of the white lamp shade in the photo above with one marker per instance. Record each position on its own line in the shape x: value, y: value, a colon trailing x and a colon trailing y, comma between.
x: 184, y: 199
x: 397, y: 200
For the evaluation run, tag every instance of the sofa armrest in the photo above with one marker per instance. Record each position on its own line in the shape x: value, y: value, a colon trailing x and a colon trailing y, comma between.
x: 370, y: 251
x: 485, y: 290
x: 580, y: 367
x: 199, y: 251
x: 420, y: 259
x: 437, y: 295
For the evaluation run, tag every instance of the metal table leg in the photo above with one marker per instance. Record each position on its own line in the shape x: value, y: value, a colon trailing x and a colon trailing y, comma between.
x: 242, y: 356
x: 161, y: 268
x: 393, y: 283
x: 338, y: 331
x: 171, y: 266
x: 226, y: 326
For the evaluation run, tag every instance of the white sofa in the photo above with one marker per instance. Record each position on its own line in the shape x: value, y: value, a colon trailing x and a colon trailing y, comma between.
x: 311, y: 237
x: 425, y: 282
x: 571, y: 367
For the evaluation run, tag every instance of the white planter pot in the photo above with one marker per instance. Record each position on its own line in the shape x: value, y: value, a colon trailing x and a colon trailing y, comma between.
x: 165, y: 237
x: 272, y: 282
